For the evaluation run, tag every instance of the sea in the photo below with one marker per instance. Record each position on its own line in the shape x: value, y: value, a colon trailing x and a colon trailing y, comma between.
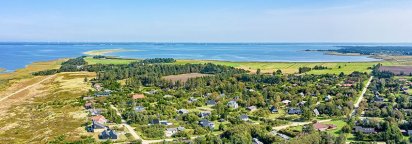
x: 15, y: 55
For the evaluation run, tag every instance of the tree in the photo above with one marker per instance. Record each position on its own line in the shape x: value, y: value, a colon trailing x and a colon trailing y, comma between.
x: 307, y: 114
x: 258, y: 71
x: 308, y: 129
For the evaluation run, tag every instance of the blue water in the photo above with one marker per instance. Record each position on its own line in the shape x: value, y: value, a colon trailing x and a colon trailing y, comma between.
x: 18, y: 55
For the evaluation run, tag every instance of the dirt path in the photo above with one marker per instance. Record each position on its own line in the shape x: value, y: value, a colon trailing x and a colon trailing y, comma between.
x: 26, y: 88
x: 356, y: 105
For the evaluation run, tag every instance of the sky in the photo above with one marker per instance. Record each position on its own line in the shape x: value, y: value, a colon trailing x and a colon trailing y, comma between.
x: 206, y: 20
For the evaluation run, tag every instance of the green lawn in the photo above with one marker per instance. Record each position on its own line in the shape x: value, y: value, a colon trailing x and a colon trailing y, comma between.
x: 339, y: 124
x: 91, y: 60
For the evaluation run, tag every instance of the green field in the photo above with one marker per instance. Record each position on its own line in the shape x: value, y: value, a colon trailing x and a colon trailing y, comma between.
x: 269, y: 67
x: 91, y: 60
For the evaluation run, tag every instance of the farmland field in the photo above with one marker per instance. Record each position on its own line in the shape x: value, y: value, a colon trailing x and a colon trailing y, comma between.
x: 184, y: 77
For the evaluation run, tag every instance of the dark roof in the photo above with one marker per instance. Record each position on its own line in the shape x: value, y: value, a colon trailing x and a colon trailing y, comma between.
x: 294, y: 111
x: 273, y: 109
x: 206, y: 123
x: 243, y: 116
x: 364, y: 130
x: 155, y: 121
x: 108, y: 134
x: 211, y: 102
x: 97, y: 125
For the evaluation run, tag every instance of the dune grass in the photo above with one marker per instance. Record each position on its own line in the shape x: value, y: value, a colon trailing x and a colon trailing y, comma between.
x: 47, y: 111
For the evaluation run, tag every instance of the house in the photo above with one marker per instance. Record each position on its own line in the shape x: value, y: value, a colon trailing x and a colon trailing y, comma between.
x: 108, y: 134
x: 102, y: 94
x: 323, y: 127
x: 97, y: 86
x: 244, y: 117
x: 316, y: 112
x: 192, y: 99
x: 207, y: 124
x: 138, y: 96
x: 377, y: 98
x: 155, y: 121
x: 182, y: 111
x: 152, y: 92
x: 95, y: 112
x: 328, y: 98
x: 211, y: 102
x: 302, y: 103
x: 99, y: 118
x: 168, y: 96
x: 161, y: 122
x: 286, y: 102
x: 97, y: 125
x: 139, y: 108
x: 204, y: 114
x: 88, y: 98
x: 409, y: 132
x: 256, y: 141
x: 207, y: 95
x: 233, y: 104
x: 364, y: 130
x: 294, y: 111
x: 347, y: 85
x: 273, y: 109
x: 88, y: 105
x: 252, y: 108
x: 171, y: 131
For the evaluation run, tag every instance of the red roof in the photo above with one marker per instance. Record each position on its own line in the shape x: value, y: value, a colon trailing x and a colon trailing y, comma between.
x: 137, y: 96
x: 322, y: 127
x: 99, y: 118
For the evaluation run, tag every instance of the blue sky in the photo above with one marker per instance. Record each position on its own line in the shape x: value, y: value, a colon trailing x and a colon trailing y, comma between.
x: 207, y: 21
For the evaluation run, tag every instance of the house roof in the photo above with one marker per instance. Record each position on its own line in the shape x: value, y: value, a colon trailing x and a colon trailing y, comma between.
x: 211, y: 102
x: 364, y: 130
x: 98, y: 118
x: 243, y: 116
x: 316, y: 112
x: 273, y: 109
x: 137, y: 96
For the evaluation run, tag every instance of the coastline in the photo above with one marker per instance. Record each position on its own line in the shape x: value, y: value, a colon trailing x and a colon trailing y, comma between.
x: 2, y: 70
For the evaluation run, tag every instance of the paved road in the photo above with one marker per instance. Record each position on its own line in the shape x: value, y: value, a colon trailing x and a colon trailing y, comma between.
x: 27, y: 87
x: 297, y: 124
x: 356, y: 105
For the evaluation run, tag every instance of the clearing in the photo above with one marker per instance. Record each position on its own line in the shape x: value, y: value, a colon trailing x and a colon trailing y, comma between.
x: 184, y: 77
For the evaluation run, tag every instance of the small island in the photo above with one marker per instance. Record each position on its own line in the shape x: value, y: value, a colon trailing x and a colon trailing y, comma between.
x: 106, y: 51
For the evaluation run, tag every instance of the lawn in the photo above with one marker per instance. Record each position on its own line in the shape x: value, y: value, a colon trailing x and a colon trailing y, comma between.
x: 91, y: 60
x: 339, y: 125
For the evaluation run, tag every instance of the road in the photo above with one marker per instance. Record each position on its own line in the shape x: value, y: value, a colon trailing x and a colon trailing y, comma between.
x: 26, y: 88
x: 356, y: 105
x: 133, y: 133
